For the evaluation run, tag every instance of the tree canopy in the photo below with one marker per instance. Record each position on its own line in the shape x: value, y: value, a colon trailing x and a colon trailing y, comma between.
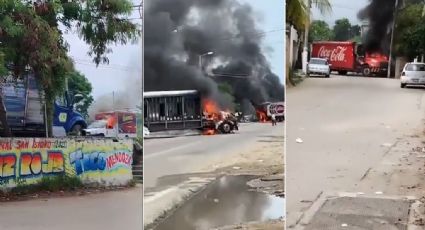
x: 342, y: 29
x: 320, y: 31
x: 79, y: 84
x: 31, y: 37
x: 409, y: 32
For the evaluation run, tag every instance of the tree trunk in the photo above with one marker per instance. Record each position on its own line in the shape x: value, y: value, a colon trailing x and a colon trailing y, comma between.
x: 49, y: 117
x: 3, y: 119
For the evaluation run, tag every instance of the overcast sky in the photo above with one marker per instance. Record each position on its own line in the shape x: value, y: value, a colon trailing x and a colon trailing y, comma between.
x: 124, y: 69
x: 125, y: 65
x: 341, y: 9
x: 270, y: 17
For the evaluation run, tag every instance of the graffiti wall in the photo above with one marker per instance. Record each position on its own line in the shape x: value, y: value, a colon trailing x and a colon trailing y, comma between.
x: 27, y: 160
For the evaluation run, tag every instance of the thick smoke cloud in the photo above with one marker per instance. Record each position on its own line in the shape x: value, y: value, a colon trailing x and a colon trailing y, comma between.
x: 178, y: 31
x: 380, y: 14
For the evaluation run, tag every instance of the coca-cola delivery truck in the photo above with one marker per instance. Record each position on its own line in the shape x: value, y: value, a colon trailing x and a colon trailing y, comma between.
x: 267, y: 109
x: 349, y: 57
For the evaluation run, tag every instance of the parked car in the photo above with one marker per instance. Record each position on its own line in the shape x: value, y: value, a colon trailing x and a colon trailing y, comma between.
x: 413, y: 74
x: 319, y: 66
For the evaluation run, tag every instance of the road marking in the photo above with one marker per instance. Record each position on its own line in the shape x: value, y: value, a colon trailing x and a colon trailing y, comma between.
x: 156, y: 154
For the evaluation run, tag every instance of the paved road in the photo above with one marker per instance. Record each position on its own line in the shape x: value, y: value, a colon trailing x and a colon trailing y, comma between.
x: 346, y: 124
x: 112, y: 210
x: 183, y: 154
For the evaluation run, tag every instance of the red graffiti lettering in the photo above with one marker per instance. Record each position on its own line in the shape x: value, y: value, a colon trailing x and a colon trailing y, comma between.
x: 24, y: 144
x: 43, y: 144
x: 7, y: 166
x: 6, y: 145
x: 117, y: 158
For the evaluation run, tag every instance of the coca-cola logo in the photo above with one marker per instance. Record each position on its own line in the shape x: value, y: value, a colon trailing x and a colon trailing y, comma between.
x: 277, y: 109
x: 337, y: 54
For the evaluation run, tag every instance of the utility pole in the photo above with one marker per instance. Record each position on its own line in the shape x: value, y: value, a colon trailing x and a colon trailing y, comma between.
x: 305, y: 49
x: 390, y: 58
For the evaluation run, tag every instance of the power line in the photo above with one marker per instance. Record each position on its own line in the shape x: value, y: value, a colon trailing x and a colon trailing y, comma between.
x: 113, y: 66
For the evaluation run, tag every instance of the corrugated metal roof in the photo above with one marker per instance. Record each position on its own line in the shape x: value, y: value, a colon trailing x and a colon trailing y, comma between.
x: 168, y: 93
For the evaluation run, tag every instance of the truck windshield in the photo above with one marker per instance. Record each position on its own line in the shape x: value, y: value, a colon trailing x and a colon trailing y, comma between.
x: 415, y: 67
x: 318, y: 61
x: 98, y: 124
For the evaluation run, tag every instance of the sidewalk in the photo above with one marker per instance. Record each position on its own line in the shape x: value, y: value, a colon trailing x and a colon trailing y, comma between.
x: 110, y: 210
x: 172, y: 133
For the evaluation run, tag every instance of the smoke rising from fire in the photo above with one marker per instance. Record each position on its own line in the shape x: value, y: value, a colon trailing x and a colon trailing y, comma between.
x: 380, y: 14
x: 127, y: 99
x: 177, y: 32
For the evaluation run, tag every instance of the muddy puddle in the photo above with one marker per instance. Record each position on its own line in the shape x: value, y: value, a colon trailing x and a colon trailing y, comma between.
x: 226, y: 201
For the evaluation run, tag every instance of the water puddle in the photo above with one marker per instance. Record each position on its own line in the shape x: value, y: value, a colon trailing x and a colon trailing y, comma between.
x: 226, y: 201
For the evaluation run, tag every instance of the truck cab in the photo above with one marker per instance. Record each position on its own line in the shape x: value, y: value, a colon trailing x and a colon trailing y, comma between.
x: 26, y: 114
x: 66, y: 120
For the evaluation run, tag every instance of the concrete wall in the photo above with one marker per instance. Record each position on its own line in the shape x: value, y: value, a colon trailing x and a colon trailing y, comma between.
x: 102, y: 161
x: 291, y: 45
x: 399, y: 65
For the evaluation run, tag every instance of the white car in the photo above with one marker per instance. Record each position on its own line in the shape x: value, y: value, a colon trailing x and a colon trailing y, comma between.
x: 413, y: 74
x: 146, y: 131
x: 319, y: 66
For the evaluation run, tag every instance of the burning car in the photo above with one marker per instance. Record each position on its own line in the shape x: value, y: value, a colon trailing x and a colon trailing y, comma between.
x: 113, y: 124
x: 216, y: 120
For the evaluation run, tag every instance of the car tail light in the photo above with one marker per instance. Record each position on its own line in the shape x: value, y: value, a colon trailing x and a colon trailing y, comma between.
x: 403, y: 74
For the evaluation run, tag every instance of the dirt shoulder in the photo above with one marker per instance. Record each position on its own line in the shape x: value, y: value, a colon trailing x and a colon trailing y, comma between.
x: 268, y: 225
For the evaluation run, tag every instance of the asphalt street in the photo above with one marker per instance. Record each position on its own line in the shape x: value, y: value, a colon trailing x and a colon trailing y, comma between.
x: 180, y: 155
x: 346, y: 124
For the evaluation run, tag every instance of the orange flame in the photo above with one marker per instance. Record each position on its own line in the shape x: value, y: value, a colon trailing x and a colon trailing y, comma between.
x: 211, y: 109
x: 111, y: 121
x: 211, y: 113
x: 262, y: 116
x: 209, y: 132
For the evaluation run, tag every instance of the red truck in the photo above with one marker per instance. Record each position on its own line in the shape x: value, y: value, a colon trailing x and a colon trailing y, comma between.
x: 345, y: 57
x: 113, y: 124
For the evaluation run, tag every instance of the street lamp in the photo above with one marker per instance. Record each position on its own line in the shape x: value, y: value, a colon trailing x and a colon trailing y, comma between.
x: 200, y: 58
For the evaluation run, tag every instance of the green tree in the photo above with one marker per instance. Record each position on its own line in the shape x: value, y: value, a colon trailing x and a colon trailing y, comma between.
x: 78, y: 84
x: 407, y: 30
x: 31, y: 39
x: 297, y: 14
x: 297, y: 11
x: 320, y: 31
x: 342, y: 30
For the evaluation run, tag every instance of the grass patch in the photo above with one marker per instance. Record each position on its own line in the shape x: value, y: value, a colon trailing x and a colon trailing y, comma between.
x: 295, y: 77
x: 51, y: 184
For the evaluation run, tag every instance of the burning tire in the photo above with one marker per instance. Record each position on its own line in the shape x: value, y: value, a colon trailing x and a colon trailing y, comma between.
x: 366, y: 71
x: 226, y: 127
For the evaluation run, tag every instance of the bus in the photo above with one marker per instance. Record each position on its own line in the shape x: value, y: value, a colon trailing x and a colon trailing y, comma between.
x: 172, y: 110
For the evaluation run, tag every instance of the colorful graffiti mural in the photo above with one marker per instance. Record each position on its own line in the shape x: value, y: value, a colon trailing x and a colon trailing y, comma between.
x: 27, y: 160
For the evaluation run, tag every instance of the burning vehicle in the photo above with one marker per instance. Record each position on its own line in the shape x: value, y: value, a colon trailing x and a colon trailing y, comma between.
x: 350, y: 57
x: 217, y: 121
x: 113, y: 124
x: 185, y: 109
x: 266, y: 110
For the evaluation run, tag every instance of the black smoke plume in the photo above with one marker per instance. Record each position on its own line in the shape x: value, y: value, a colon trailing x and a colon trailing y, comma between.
x: 380, y: 14
x: 176, y: 32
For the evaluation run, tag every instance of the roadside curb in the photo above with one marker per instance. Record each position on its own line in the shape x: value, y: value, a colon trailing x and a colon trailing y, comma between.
x: 171, y: 198
x: 171, y: 136
x: 307, y: 216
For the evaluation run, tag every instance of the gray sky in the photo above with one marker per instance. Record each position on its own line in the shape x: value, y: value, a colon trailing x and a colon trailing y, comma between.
x: 125, y: 65
x: 341, y: 9
x: 270, y: 17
